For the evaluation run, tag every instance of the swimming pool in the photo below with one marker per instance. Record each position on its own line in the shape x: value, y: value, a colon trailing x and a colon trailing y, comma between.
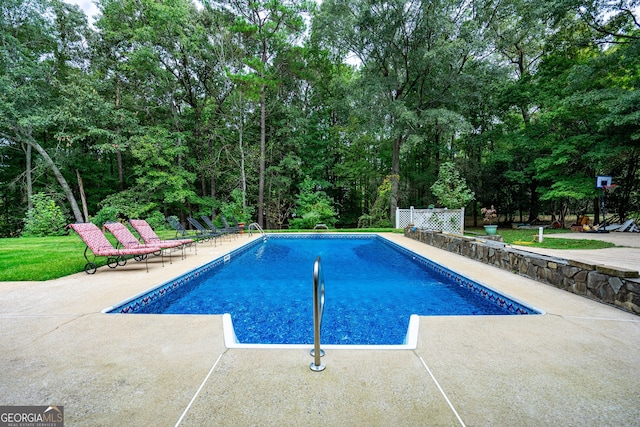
x: 373, y: 286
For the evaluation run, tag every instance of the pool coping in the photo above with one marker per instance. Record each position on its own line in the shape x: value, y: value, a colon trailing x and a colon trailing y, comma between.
x: 131, y: 304
x: 410, y: 341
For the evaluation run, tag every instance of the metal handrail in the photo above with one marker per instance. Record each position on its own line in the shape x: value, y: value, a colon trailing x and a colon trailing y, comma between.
x: 318, y: 309
x: 257, y: 227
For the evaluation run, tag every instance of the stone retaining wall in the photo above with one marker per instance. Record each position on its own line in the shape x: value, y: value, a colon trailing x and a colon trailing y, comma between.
x: 610, y: 285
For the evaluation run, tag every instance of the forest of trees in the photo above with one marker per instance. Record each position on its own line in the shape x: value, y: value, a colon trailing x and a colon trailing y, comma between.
x: 181, y: 107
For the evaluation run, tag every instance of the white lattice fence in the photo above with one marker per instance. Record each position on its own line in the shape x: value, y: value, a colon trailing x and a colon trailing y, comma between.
x: 445, y: 220
x: 403, y: 217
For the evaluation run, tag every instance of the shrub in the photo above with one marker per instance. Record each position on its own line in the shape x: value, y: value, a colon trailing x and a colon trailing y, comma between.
x: 489, y: 214
x: 235, y: 209
x: 106, y: 214
x: 155, y: 219
x: 129, y: 204
x: 451, y: 188
x: 45, y: 218
x: 313, y: 207
x: 379, y: 213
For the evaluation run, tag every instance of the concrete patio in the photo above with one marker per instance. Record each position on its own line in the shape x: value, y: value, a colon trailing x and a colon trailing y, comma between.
x: 576, y: 365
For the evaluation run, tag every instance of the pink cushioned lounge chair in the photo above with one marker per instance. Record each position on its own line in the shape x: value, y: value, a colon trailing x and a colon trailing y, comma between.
x: 128, y: 241
x: 100, y: 246
x: 150, y: 237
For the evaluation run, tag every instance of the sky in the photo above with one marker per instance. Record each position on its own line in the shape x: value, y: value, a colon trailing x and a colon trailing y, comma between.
x: 87, y: 6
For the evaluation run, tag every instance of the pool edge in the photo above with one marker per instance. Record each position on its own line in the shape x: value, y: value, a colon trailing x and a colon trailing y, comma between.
x: 230, y: 340
x: 534, y: 311
x: 411, y: 339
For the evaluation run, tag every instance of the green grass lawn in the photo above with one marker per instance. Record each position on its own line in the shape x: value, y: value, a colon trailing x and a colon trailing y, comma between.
x: 46, y: 258
x: 526, y: 237
x: 41, y: 258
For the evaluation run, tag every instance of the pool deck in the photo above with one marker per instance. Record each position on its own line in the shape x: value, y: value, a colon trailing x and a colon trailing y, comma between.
x: 576, y: 365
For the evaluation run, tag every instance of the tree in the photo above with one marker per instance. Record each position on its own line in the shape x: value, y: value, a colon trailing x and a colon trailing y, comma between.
x: 451, y: 188
x: 268, y: 27
x: 166, y: 64
x: 377, y: 216
x: 38, y: 56
x: 412, y: 55
x: 173, y: 108
x: 588, y: 123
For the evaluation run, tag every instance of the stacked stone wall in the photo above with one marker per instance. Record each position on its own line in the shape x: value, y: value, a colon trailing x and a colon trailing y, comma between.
x: 609, y: 285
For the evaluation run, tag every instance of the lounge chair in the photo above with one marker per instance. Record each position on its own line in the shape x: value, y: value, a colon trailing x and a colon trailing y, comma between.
x: 213, y: 227
x: 202, y: 232
x: 150, y: 237
x: 230, y: 228
x: 101, y: 246
x: 181, y: 232
x: 128, y: 241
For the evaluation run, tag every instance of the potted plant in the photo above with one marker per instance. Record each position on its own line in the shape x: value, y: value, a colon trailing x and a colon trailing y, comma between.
x: 489, y: 215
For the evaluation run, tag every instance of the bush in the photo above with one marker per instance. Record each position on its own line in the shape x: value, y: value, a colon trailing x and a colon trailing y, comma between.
x: 379, y: 213
x: 128, y: 204
x: 104, y: 215
x: 233, y: 209
x: 451, y: 188
x: 313, y: 207
x: 45, y: 218
x: 318, y: 214
x: 155, y: 219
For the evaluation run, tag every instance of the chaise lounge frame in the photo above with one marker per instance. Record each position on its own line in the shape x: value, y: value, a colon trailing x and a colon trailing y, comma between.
x: 202, y: 232
x: 100, y: 246
x: 150, y: 237
x: 127, y: 240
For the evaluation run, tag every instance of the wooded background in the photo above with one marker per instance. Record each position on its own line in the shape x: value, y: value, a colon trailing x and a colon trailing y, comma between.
x: 180, y: 108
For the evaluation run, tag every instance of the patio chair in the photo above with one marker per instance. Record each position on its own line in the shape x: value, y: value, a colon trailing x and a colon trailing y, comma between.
x: 202, y: 232
x: 181, y: 232
x: 100, y: 246
x: 128, y: 241
x: 231, y: 228
x: 212, y: 227
x: 150, y: 237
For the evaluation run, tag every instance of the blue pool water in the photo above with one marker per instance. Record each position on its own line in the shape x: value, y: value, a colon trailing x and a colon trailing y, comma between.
x: 372, y: 286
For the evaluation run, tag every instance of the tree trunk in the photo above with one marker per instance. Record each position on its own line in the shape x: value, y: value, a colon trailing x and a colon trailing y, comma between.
x: 263, y: 136
x: 212, y: 194
x: 212, y: 178
x: 263, y: 151
x: 243, y: 173
x: 120, y: 171
x: 63, y: 182
x: 29, y: 178
x: 118, y: 152
x: 395, y: 178
x: 475, y: 213
x: 533, y: 201
x: 83, y: 198
x: 628, y: 178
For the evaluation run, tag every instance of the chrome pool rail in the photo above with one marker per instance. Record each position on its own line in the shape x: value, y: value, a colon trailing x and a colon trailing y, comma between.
x: 318, y: 309
x: 255, y: 225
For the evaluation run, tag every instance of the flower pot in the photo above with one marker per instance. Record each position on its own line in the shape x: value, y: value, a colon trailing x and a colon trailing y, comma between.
x: 491, y: 229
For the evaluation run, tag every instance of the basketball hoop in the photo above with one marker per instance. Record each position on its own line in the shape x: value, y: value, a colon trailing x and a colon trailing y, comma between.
x: 607, y: 188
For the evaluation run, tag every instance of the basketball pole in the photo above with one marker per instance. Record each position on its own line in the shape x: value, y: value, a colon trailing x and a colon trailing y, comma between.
x: 604, y: 210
